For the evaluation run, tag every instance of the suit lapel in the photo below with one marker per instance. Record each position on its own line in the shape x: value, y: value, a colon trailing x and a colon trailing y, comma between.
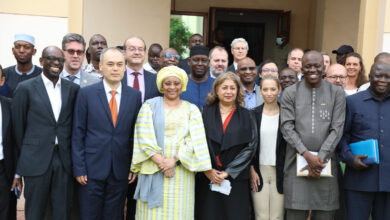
x: 103, y: 99
x: 124, y: 103
x: 41, y: 91
x: 6, y: 117
x: 146, y: 82
x: 65, y: 90
x: 124, y: 79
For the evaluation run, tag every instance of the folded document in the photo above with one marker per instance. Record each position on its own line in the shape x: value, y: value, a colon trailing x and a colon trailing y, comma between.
x: 301, y: 163
x: 224, y: 188
x: 368, y: 147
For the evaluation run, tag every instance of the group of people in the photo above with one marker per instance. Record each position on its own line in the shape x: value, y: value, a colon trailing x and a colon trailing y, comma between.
x: 191, y: 138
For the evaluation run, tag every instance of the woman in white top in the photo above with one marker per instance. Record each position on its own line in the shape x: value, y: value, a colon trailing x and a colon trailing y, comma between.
x: 355, y: 72
x: 267, y: 165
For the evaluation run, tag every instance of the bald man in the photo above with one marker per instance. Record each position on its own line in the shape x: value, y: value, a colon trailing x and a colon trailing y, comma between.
x: 169, y: 57
x: 42, y: 123
x: 247, y: 71
x: 383, y: 57
x: 337, y: 75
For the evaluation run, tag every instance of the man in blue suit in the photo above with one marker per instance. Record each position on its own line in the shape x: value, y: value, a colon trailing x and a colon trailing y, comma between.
x: 102, y: 140
x: 367, y: 187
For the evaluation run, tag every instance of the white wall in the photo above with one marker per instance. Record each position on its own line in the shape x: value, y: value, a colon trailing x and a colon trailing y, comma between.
x: 46, y: 30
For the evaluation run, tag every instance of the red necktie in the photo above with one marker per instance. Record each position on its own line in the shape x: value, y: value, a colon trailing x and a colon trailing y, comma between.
x: 136, y: 82
x: 113, y: 107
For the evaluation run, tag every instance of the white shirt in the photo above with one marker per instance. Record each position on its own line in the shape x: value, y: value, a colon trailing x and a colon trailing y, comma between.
x: 117, y: 95
x: 54, y: 93
x: 235, y: 65
x: 268, y: 136
x: 1, y: 134
x: 149, y: 68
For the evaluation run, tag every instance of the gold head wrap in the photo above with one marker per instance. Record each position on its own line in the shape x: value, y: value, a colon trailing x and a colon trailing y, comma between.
x: 172, y: 71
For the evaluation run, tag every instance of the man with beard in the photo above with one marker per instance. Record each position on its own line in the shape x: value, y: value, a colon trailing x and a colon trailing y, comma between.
x: 154, y: 61
x: 312, y: 121
x: 23, y: 50
x: 73, y: 46
x: 96, y: 45
x: 169, y: 57
x: 294, y: 61
x: 42, y: 111
x: 218, y: 61
x: 247, y: 71
x: 195, y: 40
x: 337, y: 75
x: 367, y: 187
x: 199, y: 83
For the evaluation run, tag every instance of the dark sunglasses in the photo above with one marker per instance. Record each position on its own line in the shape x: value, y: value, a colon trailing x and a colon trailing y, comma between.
x: 251, y: 68
x: 53, y: 59
x: 72, y: 52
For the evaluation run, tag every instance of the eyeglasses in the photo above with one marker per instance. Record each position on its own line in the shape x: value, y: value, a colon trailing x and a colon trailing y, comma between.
x: 133, y: 49
x: 171, y: 55
x: 251, y: 68
x: 53, y: 59
x: 270, y: 70
x: 335, y: 77
x: 72, y: 52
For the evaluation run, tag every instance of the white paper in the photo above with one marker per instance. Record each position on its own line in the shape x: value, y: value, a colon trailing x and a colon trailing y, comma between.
x: 224, y: 188
x: 301, y: 163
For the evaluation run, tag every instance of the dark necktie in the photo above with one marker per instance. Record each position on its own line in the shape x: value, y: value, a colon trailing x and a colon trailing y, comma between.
x: 71, y: 78
x: 136, y: 82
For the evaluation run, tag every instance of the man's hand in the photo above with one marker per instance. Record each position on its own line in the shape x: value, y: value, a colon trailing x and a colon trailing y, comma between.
x: 17, y: 183
x: 132, y: 177
x: 82, y: 180
x: 214, y: 176
x: 358, y: 163
x: 314, y: 162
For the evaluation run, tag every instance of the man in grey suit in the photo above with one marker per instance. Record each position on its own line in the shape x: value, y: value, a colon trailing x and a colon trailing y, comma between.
x: 73, y: 46
x: 42, y: 110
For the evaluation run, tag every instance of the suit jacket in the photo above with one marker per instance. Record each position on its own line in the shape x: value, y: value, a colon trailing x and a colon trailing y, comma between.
x: 151, y: 89
x: 237, y: 146
x: 231, y: 68
x: 86, y: 79
x: 280, y: 152
x: 9, y: 149
x: 35, y: 127
x: 97, y: 146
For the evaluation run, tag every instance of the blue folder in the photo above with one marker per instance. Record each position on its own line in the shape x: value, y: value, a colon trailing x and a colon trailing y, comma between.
x: 368, y: 147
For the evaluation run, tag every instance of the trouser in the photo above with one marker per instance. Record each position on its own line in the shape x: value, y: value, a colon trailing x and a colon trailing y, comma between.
x: 5, y: 194
x: 131, y: 202
x: 54, y: 185
x: 268, y: 203
x: 293, y: 214
x: 361, y: 204
x: 103, y: 199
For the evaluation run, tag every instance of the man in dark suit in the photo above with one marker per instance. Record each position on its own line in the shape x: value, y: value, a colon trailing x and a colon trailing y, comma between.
x: 136, y: 76
x: 42, y: 116
x: 7, y: 163
x: 102, y: 140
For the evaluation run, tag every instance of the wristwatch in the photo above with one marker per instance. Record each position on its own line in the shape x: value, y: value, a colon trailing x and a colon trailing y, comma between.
x: 177, y: 160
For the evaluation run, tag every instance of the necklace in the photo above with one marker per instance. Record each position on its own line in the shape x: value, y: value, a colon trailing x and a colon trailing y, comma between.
x: 226, y: 112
